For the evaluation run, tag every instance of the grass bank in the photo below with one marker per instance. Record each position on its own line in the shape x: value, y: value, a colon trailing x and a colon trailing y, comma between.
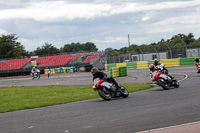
x: 19, y: 98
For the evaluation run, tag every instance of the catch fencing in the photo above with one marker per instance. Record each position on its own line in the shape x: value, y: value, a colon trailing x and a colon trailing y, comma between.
x: 183, y: 52
x: 145, y: 64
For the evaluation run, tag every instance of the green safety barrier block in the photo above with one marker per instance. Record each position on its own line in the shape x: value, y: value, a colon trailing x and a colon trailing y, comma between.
x: 70, y: 69
x: 110, y: 66
x: 56, y: 70
x: 131, y: 65
x: 150, y: 62
x: 122, y: 71
x: 114, y: 72
x: 187, y: 61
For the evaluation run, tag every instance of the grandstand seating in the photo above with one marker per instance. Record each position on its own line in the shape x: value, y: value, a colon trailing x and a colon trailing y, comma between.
x: 47, y: 60
x: 57, y: 60
x: 13, y: 64
x: 93, y: 57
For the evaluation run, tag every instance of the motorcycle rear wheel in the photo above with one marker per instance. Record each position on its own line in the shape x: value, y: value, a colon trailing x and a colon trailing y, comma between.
x: 104, y: 93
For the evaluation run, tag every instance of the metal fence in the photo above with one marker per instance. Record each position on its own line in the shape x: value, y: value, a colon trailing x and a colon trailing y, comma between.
x: 183, y: 52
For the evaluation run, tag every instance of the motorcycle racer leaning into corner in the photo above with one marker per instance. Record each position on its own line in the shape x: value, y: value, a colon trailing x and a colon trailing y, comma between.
x: 197, y: 64
x: 101, y: 75
x: 153, y: 71
x: 34, y: 70
x: 160, y: 65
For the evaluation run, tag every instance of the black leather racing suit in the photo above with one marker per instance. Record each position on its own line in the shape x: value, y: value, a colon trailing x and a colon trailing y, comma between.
x: 103, y: 76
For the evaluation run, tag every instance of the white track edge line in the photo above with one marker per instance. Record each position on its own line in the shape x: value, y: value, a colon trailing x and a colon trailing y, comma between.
x: 186, y: 76
x: 151, y: 130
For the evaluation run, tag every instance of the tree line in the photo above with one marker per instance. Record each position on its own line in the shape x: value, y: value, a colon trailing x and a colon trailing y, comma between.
x: 179, y: 41
x: 11, y: 48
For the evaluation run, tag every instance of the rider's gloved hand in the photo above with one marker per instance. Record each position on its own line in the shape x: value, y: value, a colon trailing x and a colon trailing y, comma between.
x: 161, y: 68
x: 104, y: 78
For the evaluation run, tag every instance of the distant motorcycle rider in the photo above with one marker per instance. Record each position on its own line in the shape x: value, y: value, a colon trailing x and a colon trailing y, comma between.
x: 197, y: 64
x: 34, y: 70
x: 160, y: 65
x: 101, y: 75
x: 153, y: 71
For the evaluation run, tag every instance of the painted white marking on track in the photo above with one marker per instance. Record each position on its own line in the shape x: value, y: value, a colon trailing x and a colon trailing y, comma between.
x: 151, y: 130
x: 186, y: 76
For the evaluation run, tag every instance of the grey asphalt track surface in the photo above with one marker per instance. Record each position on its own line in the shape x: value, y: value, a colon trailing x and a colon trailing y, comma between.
x: 141, y: 111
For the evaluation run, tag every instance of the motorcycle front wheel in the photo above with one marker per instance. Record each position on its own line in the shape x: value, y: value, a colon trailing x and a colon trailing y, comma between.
x: 104, y: 93
x: 163, y: 84
x: 176, y: 84
x: 124, y: 92
x: 38, y: 75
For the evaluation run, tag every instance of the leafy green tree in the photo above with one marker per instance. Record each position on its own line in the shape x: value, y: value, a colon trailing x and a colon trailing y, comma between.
x: 10, y: 48
x: 77, y: 47
x: 177, y: 42
x: 47, y: 49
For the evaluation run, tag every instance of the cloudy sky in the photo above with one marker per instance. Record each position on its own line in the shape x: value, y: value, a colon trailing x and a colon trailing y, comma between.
x: 106, y: 23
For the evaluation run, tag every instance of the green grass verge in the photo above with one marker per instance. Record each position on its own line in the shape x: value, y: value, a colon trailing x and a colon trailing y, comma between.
x: 19, y: 98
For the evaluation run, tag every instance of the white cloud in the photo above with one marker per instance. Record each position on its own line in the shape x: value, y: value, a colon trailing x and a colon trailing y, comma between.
x: 61, y: 10
x: 3, y: 32
x: 111, y: 40
x: 106, y: 23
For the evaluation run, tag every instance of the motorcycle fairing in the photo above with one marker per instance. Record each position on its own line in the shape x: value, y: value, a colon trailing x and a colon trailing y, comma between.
x: 198, y: 67
x: 107, y: 85
x: 156, y: 76
x: 164, y: 76
x: 99, y: 82
x: 160, y: 75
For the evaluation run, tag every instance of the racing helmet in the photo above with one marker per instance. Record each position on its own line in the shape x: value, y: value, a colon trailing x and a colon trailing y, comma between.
x: 155, y: 62
x: 197, y: 60
x: 94, y: 70
x: 152, y: 67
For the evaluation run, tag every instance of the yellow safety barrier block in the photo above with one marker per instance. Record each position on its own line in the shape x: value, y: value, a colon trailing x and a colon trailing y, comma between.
x: 106, y: 67
x: 171, y: 62
x: 142, y: 65
x: 58, y: 70
x: 115, y: 71
x: 52, y: 71
x: 120, y: 64
x: 45, y: 71
x: 64, y: 70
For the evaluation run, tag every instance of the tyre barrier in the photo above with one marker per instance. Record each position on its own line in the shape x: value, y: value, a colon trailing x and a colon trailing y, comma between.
x: 142, y: 65
x: 120, y: 64
x: 187, y: 61
x: 171, y: 62
x: 118, y: 71
x: 60, y: 70
x: 108, y: 66
x: 145, y: 64
x: 114, y: 72
x: 122, y: 71
x: 131, y: 65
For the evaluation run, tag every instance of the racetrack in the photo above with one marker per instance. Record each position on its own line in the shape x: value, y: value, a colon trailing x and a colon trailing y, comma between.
x: 145, y: 110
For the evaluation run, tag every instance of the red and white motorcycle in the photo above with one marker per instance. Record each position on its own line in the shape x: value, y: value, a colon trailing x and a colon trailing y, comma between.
x: 198, y: 67
x: 108, y: 90
x: 164, y: 80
